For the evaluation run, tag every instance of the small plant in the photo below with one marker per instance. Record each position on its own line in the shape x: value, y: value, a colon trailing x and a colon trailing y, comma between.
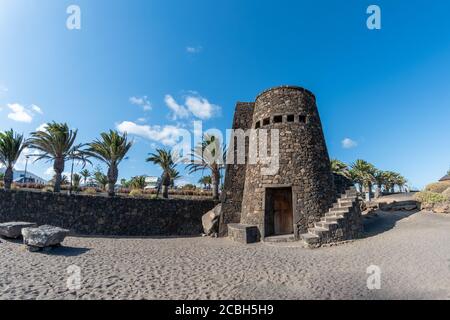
x: 427, y: 197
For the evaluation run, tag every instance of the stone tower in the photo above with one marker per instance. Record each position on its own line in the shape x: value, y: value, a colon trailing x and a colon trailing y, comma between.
x: 295, y: 198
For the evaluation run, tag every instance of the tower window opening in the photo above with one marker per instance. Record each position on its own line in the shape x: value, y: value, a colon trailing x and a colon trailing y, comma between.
x: 258, y: 125
x: 302, y: 119
x: 290, y: 118
x: 266, y: 121
x: 278, y: 119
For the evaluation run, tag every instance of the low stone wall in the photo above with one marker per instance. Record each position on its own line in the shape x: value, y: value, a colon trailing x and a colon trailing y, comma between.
x: 93, y: 215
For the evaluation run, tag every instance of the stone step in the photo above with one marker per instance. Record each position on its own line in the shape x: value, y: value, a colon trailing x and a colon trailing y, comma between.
x: 345, y: 201
x: 280, y: 238
x: 332, y: 218
x: 338, y: 210
x: 318, y: 231
x: 326, y: 224
x: 310, y: 238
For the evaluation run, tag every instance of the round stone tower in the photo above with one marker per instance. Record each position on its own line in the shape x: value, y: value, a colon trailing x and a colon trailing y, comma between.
x: 302, y: 190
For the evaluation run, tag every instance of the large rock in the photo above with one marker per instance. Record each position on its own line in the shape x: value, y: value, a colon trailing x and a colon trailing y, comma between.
x: 13, y: 230
x: 44, y: 236
x: 210, y: 220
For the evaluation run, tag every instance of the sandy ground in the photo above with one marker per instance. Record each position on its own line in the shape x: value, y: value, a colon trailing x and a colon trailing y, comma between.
x: 412, y: 251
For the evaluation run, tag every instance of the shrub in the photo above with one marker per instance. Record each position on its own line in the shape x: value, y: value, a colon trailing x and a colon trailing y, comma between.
x: 90, y: 191
x: 136, y: 193
x: 437, y: 187
x: 427, y: 197
x: 47, y: 189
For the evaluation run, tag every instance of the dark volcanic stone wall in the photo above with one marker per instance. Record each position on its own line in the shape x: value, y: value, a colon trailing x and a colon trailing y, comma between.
x: 304, y: 160
x: 88, y: 215
x: 235, y: 173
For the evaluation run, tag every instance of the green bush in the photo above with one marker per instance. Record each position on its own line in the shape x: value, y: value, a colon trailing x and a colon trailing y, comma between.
x: 427, y: 197
x: 437, y: 187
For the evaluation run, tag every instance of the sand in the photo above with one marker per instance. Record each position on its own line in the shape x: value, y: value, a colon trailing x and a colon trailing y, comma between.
x: 412, y: 251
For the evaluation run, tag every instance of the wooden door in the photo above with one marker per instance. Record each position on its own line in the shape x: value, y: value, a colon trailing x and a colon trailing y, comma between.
x: 283, y: 215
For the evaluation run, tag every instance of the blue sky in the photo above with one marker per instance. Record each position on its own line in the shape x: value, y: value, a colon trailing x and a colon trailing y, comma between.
x: 386, y: 90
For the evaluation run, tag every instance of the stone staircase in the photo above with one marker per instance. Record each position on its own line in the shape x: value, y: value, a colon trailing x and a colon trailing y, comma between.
x: 342, y: 222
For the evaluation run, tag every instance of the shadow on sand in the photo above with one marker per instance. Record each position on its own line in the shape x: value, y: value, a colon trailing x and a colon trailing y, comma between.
x: 65, y: 251
x: 382, y: 221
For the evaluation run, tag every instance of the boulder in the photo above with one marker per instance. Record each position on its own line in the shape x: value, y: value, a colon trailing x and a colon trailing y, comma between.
x: 210, y: 220
x: 13, y: 230
x: 44, y: 236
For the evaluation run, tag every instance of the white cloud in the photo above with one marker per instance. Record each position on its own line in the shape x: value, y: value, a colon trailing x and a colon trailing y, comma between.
x: 42, y: 127
x: 141, y: 120
x: 194, y: 50
x: 178, y: 111
x: 36, y: 109
x: 201, y: 108
x: 167, y: 135
x: 348, y: 143
x: 194, y: 105
x: 19, y: 113
x: 142, y: 102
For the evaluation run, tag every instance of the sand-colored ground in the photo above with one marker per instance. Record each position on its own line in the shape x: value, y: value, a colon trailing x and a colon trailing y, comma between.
x: 413, y: 254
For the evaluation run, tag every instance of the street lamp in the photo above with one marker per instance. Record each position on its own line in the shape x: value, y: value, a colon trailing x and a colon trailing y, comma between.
x: 26, y: 167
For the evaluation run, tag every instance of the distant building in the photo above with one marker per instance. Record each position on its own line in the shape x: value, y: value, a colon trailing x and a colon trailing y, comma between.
x: 151, y: 182
x: 19, y: 177
x: 445, y: 178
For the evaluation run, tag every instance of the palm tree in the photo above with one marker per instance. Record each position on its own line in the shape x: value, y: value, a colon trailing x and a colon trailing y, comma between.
x: 86, y: 175
x: 11, y: 146
x: 205, y: 181
x: 76, y: 180
x: 209, y: 155
x: 339, y: 167
x: 101, y: 179
x: 164, y: 159
x: 174, y: 175
x: 57, y: 143
x: 112, y: 148
x: 380, y: 179
x: 138, y: 182
x: 364, y: 173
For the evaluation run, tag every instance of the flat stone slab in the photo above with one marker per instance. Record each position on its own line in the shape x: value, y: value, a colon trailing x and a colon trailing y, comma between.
x: 13, y: 230
x: 44, y: 236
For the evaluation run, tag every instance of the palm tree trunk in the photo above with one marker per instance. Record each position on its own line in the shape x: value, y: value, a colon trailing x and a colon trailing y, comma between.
x: 369, y: 192
x: 58, y: 166
x: 165, y: 191
x: 215, y: 178
x: 9, y: 177
x: 113, y: 173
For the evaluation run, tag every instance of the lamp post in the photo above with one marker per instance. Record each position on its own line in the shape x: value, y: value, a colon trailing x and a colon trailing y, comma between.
x: 26, y: 167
